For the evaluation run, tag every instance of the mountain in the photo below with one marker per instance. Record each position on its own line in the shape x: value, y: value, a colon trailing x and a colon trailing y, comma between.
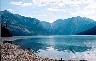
x: 25, y: 26
x: 19, y: 25
x: 72, y: 25
x: 46, y: 25
x: 91, y: 31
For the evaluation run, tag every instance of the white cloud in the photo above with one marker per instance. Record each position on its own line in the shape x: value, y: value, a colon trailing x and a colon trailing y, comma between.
x: 91, y: 6
x: 22, y: 4
x: 45, y: 1
x: 58, y: 6
x: 10, y: 10
x: 54, y: 9
x: 91, y: 11
x: 88, y: 11
x: 59, y: 3
x: 42, y: 15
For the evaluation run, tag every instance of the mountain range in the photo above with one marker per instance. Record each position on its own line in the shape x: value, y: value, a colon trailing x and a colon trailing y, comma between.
x: 19, y: 25
x: 25, y: 26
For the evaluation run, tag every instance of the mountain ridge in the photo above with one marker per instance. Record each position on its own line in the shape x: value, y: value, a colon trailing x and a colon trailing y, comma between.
x: 20, y: 25
x: 31, y: 26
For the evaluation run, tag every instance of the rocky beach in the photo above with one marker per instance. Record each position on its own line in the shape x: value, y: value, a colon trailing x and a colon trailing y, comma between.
x: 11, y: 52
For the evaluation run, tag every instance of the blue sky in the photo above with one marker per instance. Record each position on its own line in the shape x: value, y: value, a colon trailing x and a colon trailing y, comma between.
x: 51, y: 10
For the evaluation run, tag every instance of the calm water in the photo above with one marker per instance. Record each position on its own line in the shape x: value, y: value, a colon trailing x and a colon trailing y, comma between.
x: 66, y: 47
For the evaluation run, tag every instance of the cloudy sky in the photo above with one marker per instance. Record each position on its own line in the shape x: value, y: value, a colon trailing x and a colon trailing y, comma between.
x: 51, y: 10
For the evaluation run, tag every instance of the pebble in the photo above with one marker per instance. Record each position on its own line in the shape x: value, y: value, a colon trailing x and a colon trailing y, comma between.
x: 11, y: 52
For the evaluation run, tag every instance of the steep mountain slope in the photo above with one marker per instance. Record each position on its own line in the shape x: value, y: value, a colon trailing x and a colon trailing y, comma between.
x: 72, y: 25
x: 91, y: 31
x: 20, y: 25
x: 46, y: 25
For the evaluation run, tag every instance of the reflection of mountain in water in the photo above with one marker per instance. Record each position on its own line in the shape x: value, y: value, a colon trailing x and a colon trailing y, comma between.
x: 28, y: 43
x: 60, y: 44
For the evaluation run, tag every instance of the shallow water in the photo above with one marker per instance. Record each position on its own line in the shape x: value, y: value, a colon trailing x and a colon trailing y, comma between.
x: 65, y: 47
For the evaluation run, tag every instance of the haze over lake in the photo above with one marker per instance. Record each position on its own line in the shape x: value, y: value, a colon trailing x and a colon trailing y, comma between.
x: 65, y: 47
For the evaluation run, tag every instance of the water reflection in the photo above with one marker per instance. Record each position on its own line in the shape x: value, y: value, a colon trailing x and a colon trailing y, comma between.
x: 66, y: 47
x: 60, y: 45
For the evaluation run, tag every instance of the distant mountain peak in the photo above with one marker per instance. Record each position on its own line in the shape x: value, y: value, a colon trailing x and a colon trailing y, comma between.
x: 78, y: 16
x: 6, y: 11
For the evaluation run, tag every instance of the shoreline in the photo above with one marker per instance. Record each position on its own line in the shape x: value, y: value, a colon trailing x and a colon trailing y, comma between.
x: 11, y: 52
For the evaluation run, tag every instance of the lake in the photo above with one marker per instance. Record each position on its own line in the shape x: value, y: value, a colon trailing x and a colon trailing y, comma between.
x: 65, y: 47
